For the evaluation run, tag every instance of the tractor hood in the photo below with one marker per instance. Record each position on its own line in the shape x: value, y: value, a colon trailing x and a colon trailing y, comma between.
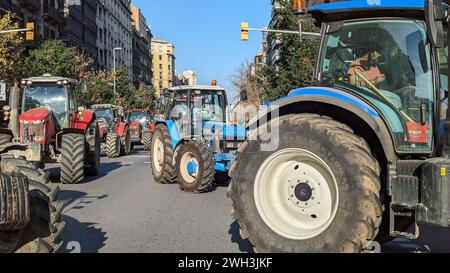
x: 35, y: 114
x: 229, y: 131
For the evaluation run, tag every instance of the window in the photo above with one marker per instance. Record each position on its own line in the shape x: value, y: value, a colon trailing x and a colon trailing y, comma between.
x: 387, y: 63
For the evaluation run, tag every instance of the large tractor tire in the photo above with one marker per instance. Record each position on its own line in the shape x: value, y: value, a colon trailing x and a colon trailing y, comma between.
x: 73, y: 154
x: 93, y: 158
x: 113, y: 145
x: 147, y: 140
x: 5, y: 139
x: 126, y: 143
x: 161, y: 155
x: 318, y: 191
x: 44, y: 226
x: 194, y: 164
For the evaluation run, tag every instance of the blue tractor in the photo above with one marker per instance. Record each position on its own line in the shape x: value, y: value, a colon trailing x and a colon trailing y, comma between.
x: 192, y: 140
x: 364, y: 154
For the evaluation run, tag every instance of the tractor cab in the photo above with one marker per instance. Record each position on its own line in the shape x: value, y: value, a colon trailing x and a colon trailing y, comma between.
x: 387, y: 60
x: 193, y: 107
x: 108, y: 114
x: 48, y: 103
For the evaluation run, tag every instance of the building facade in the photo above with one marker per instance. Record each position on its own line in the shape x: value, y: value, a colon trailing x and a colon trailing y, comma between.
x: 142, y: 36
x: 163, y: 56
x: 187, y: 77
x: 80, y: 29
x: 114, y: 31
x: 46, y: 14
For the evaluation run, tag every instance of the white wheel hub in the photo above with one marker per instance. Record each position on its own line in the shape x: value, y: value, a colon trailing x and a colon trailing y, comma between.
x: 158, y: 154
x: 189, y: 167
x: 296, y: 194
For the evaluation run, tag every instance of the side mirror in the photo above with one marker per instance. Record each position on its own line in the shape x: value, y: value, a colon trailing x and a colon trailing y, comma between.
x: 434, y: 19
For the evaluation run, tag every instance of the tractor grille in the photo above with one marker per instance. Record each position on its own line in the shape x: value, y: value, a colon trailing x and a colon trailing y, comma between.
x: 31, y: 131
x: 133, y: 131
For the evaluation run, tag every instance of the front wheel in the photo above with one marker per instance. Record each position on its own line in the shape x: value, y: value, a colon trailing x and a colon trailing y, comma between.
x: 72, y: 158
x: 195, y: 167
x: 161, y: 155
x: 147, y: 140
x: 317, y: 192
x: 113, y: 146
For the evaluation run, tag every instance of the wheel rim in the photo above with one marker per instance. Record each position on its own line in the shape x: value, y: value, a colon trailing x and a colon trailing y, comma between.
x: 189, y: 167
x: 296, y: 194
x: 158, y: 154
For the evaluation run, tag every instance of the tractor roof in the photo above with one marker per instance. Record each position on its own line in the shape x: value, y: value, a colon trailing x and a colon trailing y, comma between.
x: 196, y: 87
x: 105, y: 106
x: 353, y: 9
x: 47, y: 78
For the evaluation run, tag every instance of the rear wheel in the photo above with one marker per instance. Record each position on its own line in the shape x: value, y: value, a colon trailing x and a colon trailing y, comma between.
x: 195, y: 167
x: 42, y: 233
x: 162, y: 156
x: 113, y: 145
x: 318, y: 192
x: 94, y: 152
x: 72, y: 158
x: 147, y: 140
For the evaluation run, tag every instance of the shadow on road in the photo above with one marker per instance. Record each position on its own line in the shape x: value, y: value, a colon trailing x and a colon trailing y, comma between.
x: 81, y: 237
x: 105, y: 169
x: 77, y: 199
x: 244, y: 245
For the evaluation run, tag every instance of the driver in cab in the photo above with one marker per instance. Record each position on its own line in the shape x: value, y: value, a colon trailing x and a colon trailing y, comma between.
x: 367, y: 66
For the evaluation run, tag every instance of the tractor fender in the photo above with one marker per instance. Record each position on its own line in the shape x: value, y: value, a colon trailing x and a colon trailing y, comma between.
x: 82, y: 120
x: 339, y: 105
x: 121, y: 129
x: 173, y: 131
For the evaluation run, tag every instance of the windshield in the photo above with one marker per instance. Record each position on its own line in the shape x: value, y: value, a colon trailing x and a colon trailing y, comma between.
x: 105, y: 114
x: 388, y: 63
x: 208, y: 106
x: 138, y: 116
x: 51, y: 96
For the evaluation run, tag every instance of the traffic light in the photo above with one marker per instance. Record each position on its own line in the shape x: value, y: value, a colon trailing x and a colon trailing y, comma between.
x: 244, y: 31
x: 300, y: 6
x: 29, y: 35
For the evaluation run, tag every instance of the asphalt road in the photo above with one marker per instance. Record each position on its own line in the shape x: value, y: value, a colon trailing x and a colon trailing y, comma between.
x: 124, y: 210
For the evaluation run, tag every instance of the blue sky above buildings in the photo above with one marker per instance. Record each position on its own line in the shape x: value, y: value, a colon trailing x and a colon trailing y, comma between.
x: 206, y: 33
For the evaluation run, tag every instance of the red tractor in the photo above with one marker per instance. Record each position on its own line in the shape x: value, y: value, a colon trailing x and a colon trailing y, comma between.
x: 115, y: 131
x: 51, y: 128
x: 139, y: 124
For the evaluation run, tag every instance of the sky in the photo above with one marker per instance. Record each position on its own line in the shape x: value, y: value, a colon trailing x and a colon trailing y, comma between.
x: 206, y: 33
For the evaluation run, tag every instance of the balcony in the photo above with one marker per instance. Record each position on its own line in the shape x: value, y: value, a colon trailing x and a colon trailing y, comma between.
x: 52, y: 15
x: 32, y: 5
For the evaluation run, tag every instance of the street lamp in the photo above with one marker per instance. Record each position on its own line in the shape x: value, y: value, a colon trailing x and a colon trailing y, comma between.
x: 114, y: 57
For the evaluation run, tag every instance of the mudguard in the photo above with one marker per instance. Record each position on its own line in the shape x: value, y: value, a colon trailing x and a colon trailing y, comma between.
x: 316, y: 99
x: 83, y: 120
x: 121, y: 128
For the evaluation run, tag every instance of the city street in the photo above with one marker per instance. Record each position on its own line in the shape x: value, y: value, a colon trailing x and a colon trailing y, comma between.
x: 124, y: 210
